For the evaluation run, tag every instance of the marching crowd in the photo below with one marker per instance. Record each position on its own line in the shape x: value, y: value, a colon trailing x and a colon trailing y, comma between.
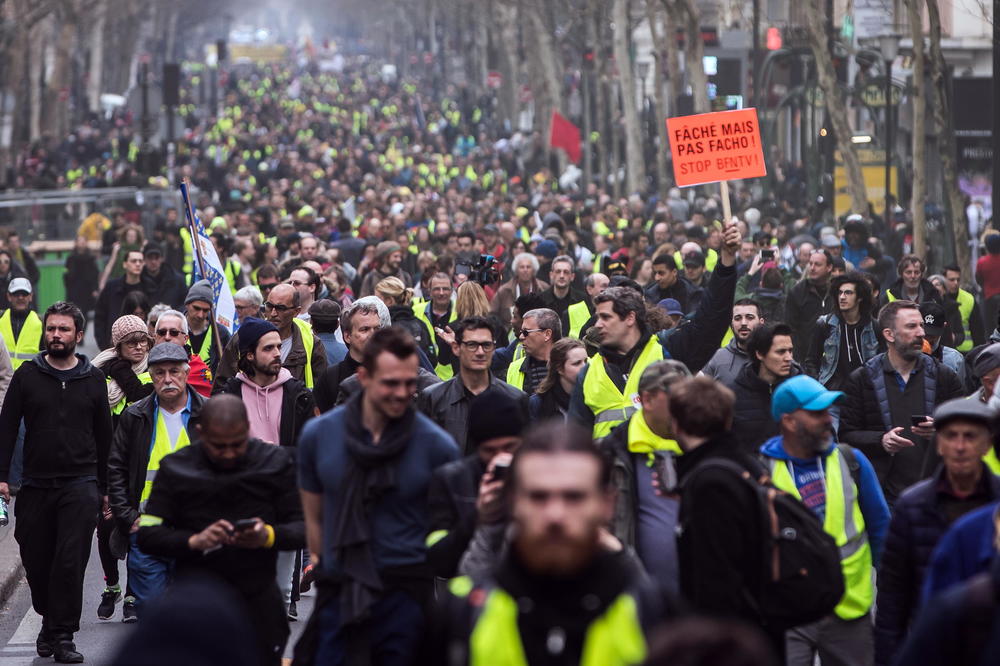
x: 494, y: 418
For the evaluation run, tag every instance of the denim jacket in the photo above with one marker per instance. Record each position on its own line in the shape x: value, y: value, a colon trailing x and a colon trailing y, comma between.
x: 831, y: 346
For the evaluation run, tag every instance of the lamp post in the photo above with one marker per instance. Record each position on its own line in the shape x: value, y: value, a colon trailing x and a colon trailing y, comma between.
x: 889, y: 46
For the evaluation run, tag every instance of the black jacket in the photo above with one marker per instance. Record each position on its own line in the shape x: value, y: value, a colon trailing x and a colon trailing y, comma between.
x: 129, y: 456
x: 190, y: 493
x: 402, y: 316
x: 918, y: 523
x: 447, y: 404
x: 805, y: 303
x: 685, y: 293
x: 297, y: 407
x: 326, y: 389
x: 351, y: 385
x: 719, y: 546
x: 109, y: 308
x: 752, y: 422
x: 67, y: 423
x: 451, y: 502
x: 166, y: 287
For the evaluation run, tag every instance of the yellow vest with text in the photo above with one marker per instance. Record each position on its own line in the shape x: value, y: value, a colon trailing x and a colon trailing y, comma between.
x: 614, y: 638
x: 162, y: 446
x: 609, y: 405
x: 846, y: 524
x: 444, y: 371
x: 307, y: 342
x: 966, y: 302
x: 25, y: 347
x: 120, y: 406
x: 579, y: 313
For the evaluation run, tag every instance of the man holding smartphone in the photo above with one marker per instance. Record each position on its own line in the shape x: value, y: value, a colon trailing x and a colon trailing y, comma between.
x: 225, y: 506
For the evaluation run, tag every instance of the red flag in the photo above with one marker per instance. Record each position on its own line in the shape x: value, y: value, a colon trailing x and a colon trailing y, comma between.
x: 565, y: 135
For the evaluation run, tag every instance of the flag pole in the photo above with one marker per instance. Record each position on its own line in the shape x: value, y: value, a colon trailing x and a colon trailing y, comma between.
x: 196, y: 242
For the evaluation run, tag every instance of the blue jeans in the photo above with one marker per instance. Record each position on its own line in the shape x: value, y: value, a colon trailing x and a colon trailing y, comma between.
x: 394, y: 631
x: 147, y: 575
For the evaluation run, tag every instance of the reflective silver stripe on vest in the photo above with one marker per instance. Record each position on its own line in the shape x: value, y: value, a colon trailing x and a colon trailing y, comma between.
x: 616, y: 414
x: 855, y: 538
x: 150, y: 475
x: 22, y: 356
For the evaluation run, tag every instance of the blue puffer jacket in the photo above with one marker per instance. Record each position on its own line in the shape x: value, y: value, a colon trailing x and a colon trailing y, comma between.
x: 916, y: 528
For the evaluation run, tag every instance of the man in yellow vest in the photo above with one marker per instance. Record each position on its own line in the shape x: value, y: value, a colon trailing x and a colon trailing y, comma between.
x: 302, y: 353
x: 560, y: 553
x: 540, y: 329
x: 580, y: 314
x: 839, y: 484
x: 607, y: 390
x: 198, y: 309
x: 437, y: 314
x: 968, y: 309
x: 148, y: 430
x: 20, y: 326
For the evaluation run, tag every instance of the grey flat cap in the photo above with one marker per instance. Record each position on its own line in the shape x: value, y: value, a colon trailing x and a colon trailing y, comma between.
x: 167, y: 352
x: 970, y: 409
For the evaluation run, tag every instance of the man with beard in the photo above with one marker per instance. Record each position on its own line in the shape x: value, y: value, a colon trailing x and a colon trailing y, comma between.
x: 809, y: 299
x: 63, y: 401
x: 388, y: 262
x: 839, y: 485
x: 278, y: 405
x: 225, y: 506
x: 561, y: 296
x: 560, y: 500
x: 364, y: 473
x: 890, y: 399
x: 727, y: 363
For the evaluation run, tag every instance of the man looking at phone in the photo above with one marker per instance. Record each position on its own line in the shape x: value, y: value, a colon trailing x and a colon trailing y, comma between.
x: 225, y: 507
x: 886, y: 414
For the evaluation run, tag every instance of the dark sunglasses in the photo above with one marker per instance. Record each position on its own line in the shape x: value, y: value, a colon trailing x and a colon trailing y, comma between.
x: 172, y: 332
x: 277, y: 308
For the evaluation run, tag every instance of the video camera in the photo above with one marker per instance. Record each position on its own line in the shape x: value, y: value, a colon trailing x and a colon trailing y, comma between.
x: 482, y: 270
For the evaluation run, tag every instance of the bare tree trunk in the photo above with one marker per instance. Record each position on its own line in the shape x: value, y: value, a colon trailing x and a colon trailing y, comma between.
x: 941, y: 106
x: 635, y: 176
x: 96, y: 69
x: 694, y: 52
x: 36, y: 55
x: 919, y: 190
x: 672, y: 64
x: 547, y: 92
x: 505, y: 16
x: 835, y: 104
x: 654, y: 11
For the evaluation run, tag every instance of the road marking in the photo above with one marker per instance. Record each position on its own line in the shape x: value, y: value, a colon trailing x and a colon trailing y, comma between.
x: 28, y: 630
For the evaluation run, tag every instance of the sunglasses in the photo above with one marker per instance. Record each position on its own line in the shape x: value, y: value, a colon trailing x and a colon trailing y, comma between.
x: 278, y: 308
x: 172, y: 332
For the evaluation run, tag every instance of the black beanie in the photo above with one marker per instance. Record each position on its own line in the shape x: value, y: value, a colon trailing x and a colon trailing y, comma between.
x: 493, y: 414
x: 251, y: 331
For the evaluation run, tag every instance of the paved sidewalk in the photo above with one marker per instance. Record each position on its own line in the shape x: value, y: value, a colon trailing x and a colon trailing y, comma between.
x: 11, y: 571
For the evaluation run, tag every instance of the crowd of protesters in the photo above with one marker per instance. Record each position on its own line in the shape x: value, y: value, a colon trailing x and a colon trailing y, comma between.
x: 496, y: 418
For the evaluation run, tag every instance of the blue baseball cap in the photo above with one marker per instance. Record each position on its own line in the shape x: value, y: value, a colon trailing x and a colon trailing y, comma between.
x: 671, y: 306
x: 801, y: 392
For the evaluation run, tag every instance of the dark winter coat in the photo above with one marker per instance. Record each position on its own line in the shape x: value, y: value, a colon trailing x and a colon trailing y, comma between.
x: 752, y: 422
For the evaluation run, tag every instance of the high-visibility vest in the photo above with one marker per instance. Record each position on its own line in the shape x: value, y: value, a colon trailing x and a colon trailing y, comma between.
x: 24, y: 347
x: 206, y: 344
x: 846, y: 524
x: 579, y: 314
x: 515, y: 373
x: 120, y: 406
x: 233, y: 270
x: 966, y: 302
x: 307, y: 342
x: 609, y: 405
x: 992, y: 461
x: 444, y: 371
x: 162, y: 446
x: 711, y: 258
x: 614, y: 638
x: 188, y: 254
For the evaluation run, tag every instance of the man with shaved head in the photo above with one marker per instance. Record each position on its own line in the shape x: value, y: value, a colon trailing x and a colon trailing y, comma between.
x: 225, y: 506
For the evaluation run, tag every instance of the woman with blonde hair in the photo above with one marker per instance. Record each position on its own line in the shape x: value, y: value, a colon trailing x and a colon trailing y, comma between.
x: 399, y: 299
x: 471, y: 301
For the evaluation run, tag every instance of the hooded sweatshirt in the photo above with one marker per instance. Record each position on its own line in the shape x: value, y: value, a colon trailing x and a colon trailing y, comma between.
x: 264, y: 406
x: 810, y: 480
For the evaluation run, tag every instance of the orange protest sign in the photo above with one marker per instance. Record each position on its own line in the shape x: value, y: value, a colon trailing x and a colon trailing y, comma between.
x: 713, y: 147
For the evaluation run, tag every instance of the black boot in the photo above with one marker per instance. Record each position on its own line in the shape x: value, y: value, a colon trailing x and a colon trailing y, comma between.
x: 43, y: 644
x: 65, y: 653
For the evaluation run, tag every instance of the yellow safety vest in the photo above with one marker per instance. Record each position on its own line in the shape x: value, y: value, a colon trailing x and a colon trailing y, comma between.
x: 206, y: 344
x: 846, y: 524
x: 188, y: 253
x: 965, y: 304
x: 307, y: 342
x: 442, y: 370
x: 515, y: 373
x: 24, y: 347
x: 711, y: 258
x: 579, y: 314
x: 162, y: 446
x: 991, y: 461
x: 123, y: 403
x: 609, y: 405
x: 615, y: 638
x: 233, y: 270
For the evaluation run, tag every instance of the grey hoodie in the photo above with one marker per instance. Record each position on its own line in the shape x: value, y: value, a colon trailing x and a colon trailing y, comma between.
x: 726, y: 364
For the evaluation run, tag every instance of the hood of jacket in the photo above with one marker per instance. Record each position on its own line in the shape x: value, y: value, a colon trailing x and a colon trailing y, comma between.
x: 82, y: 368
x: 772, y: 448
x: 401, y: 312
x: 258, y: 398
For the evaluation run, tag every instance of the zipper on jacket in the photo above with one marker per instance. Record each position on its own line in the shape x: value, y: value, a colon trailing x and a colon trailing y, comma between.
x: 64, y: 386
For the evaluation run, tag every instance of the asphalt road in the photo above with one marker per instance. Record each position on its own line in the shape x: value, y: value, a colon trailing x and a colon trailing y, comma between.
x: 98, y: 640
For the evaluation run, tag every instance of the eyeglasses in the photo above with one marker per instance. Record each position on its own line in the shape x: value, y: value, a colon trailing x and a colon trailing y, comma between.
x: 135, y: 344
x: 296, y: 283
x: 172, y: 332
x: 278, y: 308
x: 267, y: 287
x: 526, y: 331
x: 472, y: 345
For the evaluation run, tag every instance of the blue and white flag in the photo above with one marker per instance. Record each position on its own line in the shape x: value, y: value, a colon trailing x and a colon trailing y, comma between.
x: 225, y: 308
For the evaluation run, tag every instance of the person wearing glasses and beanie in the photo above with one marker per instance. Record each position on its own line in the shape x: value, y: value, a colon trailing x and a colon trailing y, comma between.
x: 447, y: 403
x: 125, y: 366
x: 302, y: 353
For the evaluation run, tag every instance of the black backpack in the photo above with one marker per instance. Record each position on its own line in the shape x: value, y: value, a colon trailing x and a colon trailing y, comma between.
x: 802, y: 578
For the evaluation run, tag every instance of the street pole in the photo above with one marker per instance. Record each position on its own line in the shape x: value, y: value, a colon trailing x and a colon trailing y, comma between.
x: 755, y: 57
x: 888, y: 144
x: 587, y: 166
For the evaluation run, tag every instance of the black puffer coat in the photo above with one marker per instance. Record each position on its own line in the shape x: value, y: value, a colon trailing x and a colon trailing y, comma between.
x: 752, y: 422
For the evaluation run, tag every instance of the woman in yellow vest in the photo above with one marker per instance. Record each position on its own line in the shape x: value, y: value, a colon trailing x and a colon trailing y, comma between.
x: 125, y: 366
